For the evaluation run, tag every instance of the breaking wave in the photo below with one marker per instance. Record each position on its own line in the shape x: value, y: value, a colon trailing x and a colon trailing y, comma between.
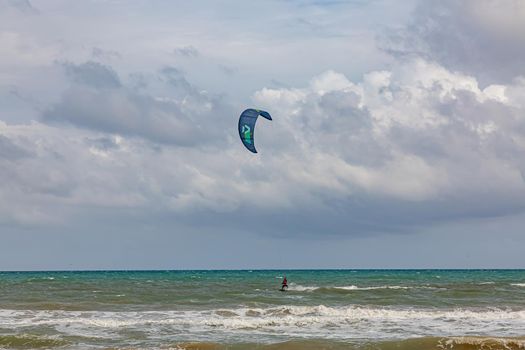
x: 320, y: 321
x: 300, y: 288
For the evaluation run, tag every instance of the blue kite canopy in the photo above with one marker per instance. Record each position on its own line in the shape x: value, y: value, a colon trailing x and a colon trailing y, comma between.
x: 247, y: 126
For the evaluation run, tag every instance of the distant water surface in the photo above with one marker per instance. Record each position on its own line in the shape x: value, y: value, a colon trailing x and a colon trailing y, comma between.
x: 323, y: 309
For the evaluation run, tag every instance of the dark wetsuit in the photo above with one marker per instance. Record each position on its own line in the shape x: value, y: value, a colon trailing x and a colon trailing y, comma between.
x: 285, y: 284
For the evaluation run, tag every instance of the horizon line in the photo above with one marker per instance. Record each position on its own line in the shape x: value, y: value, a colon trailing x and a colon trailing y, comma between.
x: 263, y: 269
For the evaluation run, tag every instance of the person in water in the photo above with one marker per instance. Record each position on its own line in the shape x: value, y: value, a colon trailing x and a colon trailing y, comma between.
x: 285, y: 283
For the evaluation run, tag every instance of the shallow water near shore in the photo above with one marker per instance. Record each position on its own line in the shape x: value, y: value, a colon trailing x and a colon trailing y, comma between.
x: 323, y: 309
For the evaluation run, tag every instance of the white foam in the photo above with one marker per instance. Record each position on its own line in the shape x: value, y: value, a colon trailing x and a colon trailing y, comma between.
x: 300, y: 288
x: 518, y: 284
x: 352, y: 287
x: 299, y: 321
x: 481, y: 342
x: 372, y: 288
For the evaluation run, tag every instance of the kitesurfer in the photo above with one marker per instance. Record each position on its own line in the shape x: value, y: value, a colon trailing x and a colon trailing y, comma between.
x: 285, y: 283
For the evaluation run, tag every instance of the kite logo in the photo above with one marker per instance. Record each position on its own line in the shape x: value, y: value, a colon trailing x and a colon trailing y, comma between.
x: 247, y: 133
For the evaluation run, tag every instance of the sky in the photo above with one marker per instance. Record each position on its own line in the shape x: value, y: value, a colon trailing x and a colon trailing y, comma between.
x: 397, y: 139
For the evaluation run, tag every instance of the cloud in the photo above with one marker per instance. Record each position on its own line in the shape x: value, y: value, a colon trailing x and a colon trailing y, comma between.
x: 427, y: 139
x: 396, y: 151
x: 99, y: 101
x: 10, y: 151
x: 229, y: 71
x: 93, y: 74
x: 186, y: 51
x: 412, y: 145
x: 99, y: 53
x: 482, y: 38
x: 23, y: 6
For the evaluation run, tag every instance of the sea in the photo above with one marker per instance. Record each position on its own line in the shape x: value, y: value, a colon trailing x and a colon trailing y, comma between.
x: 322, y: 309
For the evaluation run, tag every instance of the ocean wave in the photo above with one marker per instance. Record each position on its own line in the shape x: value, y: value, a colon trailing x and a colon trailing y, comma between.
x: 518, y: 284
x: 352, y: 287
x: 300, y: 288
x: 482, y: 343
x: 349, y: 322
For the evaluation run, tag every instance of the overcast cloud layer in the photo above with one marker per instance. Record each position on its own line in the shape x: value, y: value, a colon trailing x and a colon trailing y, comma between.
x: 396, y: 129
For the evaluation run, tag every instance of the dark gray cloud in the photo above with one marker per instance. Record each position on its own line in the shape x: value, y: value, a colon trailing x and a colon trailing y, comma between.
x: 24, y: 6
x: 187, y: 51
x: 482, y: 38
x: 330, y: 3
x: 10, y: 151
x: 99, y: 53
x: 124, y: 113
x: 93, y: 74
x: 138, y: 81
x: 228, y: 70
x: 175, y: 77
x: 103, y: 143
x: 97, y: 100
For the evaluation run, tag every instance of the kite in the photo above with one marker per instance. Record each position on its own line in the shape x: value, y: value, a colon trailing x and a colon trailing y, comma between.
x: 247, y: 126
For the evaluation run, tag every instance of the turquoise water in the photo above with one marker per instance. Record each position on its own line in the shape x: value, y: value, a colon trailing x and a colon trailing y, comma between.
x: 243, y: 309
